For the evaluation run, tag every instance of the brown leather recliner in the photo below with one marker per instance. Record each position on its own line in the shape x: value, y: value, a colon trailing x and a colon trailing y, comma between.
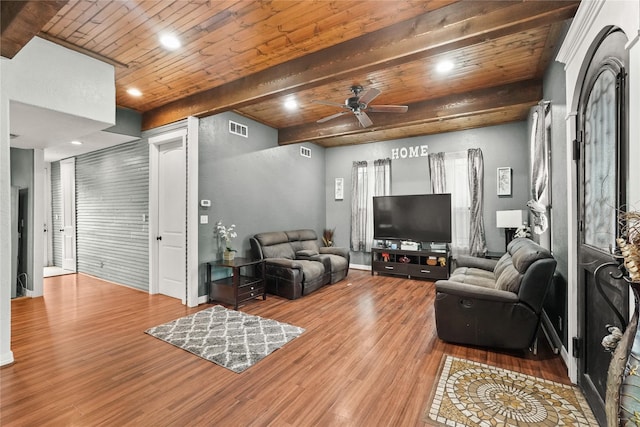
x: 295, y: 263
x: 495, y: 303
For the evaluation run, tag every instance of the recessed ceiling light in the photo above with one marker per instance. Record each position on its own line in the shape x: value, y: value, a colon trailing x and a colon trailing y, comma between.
x: 170, y: 41
x: 76, y: 142
x: 134, y: 92
x: 445, y: 66
x: 290, y: 104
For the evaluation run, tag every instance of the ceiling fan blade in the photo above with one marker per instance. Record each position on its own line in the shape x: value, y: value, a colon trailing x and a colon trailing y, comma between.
x: 369, y: 96
x: 387, y: 109
x: 333, y: 104
x: 364, y: 120
x: 333, y: 116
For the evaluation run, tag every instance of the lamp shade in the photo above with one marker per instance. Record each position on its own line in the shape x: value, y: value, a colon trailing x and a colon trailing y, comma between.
x: 511, y: 219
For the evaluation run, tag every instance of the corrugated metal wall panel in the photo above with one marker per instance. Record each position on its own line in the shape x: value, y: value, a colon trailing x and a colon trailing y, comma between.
x: 112, y: 207
x: 56, y: 214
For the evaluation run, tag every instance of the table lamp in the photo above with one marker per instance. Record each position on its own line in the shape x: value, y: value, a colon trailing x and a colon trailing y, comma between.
x: 510, y: 220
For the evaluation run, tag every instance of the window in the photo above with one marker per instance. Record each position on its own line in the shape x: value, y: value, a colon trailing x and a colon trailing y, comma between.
x: 457, y: 183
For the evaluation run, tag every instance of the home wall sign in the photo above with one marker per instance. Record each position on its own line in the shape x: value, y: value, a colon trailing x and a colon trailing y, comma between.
x: 409, y: 152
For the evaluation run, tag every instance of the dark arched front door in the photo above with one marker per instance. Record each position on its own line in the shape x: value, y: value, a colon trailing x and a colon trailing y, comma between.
x: 602, y: 139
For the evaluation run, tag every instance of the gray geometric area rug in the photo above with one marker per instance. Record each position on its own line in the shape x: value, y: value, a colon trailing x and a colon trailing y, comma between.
x: 229, y: 338
x: 469, y: 393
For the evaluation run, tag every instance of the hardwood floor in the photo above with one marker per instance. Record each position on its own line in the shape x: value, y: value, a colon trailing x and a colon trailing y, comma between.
x: 369, y: 356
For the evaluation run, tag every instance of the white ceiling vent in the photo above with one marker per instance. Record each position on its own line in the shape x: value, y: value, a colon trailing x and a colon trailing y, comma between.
x: 305, y: 152
x: 238, y: 129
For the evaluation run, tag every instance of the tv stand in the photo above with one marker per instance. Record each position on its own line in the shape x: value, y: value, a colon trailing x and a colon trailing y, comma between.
x: 413, y: 264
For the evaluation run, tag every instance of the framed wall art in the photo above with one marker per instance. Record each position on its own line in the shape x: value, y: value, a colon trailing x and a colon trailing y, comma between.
x: 339, y: 189
x: 504, y: 181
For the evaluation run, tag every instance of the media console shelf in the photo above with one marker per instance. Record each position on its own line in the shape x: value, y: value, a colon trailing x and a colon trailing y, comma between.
x: 411, y: 263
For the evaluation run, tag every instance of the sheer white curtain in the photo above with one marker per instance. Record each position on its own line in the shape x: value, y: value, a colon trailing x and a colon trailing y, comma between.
x: 456, y: 171
x: 380, y: 185
x: 362, y: 191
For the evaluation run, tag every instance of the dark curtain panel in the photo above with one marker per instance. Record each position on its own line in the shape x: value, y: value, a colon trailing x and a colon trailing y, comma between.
x: 436, y: 173
x: 477, y: 241
x: 540, y: 170
x: 359, y: 187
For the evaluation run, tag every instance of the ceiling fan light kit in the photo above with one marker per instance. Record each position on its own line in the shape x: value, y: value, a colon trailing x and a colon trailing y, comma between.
x: 359, y: 105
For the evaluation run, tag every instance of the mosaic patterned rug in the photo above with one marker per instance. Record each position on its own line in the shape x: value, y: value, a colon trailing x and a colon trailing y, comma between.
x: 474, y: 394
x: 229, y: 338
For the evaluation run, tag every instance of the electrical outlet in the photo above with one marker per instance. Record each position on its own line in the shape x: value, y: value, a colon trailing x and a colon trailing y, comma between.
x: 204, y: 219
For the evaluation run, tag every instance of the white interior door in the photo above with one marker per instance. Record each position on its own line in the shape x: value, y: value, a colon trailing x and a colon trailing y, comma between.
x: 171, y: 220
x: 68, y: 228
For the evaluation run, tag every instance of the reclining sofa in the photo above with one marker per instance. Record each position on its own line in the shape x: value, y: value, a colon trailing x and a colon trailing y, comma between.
x: 495, y: 303
x: 296, y: 264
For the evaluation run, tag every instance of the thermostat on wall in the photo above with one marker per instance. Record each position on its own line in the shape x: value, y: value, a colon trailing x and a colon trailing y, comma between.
x: 205, y: 203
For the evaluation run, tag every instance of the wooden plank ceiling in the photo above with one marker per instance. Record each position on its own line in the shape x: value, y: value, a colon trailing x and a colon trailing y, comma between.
x: 252, y: 56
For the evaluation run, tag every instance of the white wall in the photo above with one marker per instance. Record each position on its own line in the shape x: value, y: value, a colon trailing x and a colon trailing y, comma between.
x: 590, y: 20
x: 6, y: 356
x: 47, y: 75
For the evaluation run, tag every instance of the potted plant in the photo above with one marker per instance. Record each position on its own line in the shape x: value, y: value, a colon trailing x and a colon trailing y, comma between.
x: 622, y: 406
x: 227, y: 234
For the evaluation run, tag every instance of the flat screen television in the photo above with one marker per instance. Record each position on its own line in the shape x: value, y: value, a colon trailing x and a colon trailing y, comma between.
x: 418, y: 217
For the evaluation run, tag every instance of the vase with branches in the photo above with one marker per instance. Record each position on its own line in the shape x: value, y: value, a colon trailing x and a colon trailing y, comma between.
x: 327, y: 236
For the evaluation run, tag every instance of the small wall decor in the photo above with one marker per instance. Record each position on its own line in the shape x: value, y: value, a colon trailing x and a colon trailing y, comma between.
x: 339, y: 189
x: 504, y: 181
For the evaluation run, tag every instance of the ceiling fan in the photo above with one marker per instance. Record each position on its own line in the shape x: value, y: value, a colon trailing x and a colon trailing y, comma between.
x: 359, y: 106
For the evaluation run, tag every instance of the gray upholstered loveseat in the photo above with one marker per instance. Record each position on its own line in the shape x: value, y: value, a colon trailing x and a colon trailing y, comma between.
x: 296, y: 264
x: 495, y: 303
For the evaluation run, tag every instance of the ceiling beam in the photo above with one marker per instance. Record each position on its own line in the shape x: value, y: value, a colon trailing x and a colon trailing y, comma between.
x: 20, y: 21
x: 451, y: 27
x: 513, y: 113
x: 421, y: 115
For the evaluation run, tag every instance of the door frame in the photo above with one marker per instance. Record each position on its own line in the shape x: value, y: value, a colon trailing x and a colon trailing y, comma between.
x: 48, y: 225
x: 72, y: 191
x: 189, y: 137
x: 591, y: 20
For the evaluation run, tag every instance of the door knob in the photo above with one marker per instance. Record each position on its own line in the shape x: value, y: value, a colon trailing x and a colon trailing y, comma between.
x: 62, y: 230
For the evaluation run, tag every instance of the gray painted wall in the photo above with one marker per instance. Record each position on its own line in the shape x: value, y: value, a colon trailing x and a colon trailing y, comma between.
x: 21, y: 168
x: 128, y: 122
x: 255, y: 184
x: 260, y: 186
x: 504, y: 145
x: 22, y: 174
x: 556, y: 301
x: 112, y: 207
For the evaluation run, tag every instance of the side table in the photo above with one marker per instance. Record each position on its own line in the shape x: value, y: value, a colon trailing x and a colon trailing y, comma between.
x: 242, y: 285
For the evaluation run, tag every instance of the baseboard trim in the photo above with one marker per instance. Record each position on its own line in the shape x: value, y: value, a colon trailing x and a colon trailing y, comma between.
x: 552, y: 336
x: 360, y: 267
x: 7, y: 358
